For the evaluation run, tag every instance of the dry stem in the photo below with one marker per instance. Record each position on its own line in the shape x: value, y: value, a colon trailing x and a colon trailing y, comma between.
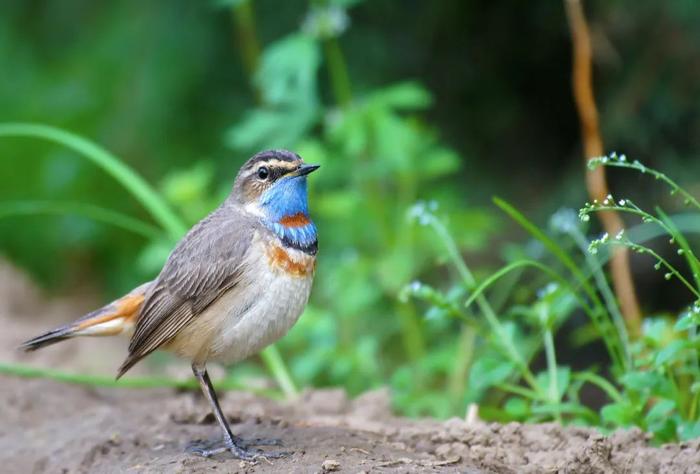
x: 593, y: 147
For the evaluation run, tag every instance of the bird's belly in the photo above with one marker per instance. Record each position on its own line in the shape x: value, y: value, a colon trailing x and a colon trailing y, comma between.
x: 264, y: 304
x: 269, y: 313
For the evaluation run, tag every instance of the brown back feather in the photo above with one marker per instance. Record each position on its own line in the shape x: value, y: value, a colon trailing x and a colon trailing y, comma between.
x: 204, y: 265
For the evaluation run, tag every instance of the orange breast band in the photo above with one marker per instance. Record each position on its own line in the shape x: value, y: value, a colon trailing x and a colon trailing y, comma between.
x: 279, y: 258
x: 295, y: 220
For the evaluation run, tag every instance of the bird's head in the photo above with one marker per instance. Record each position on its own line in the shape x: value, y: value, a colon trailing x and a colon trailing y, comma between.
x: 272, y: 184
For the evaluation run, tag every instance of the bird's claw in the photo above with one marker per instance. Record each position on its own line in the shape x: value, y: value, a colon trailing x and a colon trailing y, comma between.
x: 240, y: 449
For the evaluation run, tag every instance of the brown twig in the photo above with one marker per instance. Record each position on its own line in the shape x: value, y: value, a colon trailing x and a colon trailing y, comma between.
x: 593, y: 147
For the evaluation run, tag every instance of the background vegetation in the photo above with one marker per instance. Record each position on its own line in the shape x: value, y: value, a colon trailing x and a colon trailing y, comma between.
x: 419, y: 113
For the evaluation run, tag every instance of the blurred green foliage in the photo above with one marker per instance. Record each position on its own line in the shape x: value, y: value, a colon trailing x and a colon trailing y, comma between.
x: 650, y: 382
x: 447, y: 103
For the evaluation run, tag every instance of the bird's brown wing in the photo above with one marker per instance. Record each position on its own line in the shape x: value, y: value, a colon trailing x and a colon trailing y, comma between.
x: 204, y: 265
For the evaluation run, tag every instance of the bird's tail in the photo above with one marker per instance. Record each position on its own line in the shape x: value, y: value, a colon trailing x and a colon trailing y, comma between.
x: 117, y: 317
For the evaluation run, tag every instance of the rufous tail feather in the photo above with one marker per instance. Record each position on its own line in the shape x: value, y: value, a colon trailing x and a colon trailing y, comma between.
x: 115, y: 318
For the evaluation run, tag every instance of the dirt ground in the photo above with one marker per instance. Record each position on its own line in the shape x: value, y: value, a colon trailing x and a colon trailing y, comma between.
x: 50, y: 427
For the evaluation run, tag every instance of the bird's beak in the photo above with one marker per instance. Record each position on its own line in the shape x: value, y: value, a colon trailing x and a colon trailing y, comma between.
x: 305, y: 169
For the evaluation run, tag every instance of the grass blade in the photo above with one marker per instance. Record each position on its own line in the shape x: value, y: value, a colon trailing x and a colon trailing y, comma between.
x: 97, y: 213
x: 116, y: 168
x: 27, y: 371
x: 602, y: 323
x: 273, y: 360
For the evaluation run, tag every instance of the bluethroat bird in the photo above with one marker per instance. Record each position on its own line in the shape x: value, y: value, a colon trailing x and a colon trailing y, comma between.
x: 235, y: 283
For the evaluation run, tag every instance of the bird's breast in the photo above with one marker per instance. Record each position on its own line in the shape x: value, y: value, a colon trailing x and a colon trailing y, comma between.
x: 289, y: 261
x: 276, y: 288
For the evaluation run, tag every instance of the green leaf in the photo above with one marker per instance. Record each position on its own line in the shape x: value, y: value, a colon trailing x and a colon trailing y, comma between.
x: 439, y: 162
x: 685, y: 322
x: 671, y: 353
x: 518, y: 408
x: 488, y: 371
x: 647, y: 382
x: 662, y: 419
x: 618, y: 414
x: 404, y: 95
x: 288, y: 69
x: 268, y: 127
x: 661, y: 409
x: 689, y: 430
x: 655, y: 330
x: 287, y: 81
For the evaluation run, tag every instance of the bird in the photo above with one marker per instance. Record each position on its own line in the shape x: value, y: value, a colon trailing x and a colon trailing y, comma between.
x: 236, y: 282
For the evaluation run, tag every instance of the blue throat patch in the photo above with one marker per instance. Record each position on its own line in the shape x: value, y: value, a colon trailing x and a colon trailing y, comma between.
x: 284, y: 200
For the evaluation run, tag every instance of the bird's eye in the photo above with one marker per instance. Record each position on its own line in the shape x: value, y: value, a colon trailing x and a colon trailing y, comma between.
x: 263, y: 172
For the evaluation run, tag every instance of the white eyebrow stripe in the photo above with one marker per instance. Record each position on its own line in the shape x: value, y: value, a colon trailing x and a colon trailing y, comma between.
x: 280, y: 164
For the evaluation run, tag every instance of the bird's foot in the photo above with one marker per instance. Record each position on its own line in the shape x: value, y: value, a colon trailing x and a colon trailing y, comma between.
x: 240, y: 448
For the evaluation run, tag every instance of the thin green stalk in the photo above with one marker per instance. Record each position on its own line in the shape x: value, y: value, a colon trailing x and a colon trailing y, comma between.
x: 338, y: 72
x: 552, y: 369
x: 502, y: 336
x: 694, y: 265
x: 26, y: 371
x: 518, y: 390
x: 693, y: 412
x: 604, y: 326
x: 608, y: 295
x: 693, y: 336
x: 600, y: 382
x: 273, y: 360
x: 688, y: 253
x: 518, y: 264
x: 244, y: 18
x: 543, y: 268
x: 412, y: 334
x: 673, y: 271
x: 460, y: 369
x: 122, y: 173
x: 97, y: 213
x: 675, y: 188
x: 677, y: 393
x: 668, y: 227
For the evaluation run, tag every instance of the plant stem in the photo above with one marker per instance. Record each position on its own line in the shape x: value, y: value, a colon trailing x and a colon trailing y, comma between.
x: 21, y: 370
x: 338, y: 72
x: 678, y: 236
x: 606, y: 291
x: 692, y: 413
x: 502, y: 336
x: 600, y: 382
x: 552, y: 368
x: 675, y: 188
x: 603, y: 324
x: 244, y: 18
x: 273, y: 360
x: 411, y: 333
x: 665, y: 263
x: 460, y: 369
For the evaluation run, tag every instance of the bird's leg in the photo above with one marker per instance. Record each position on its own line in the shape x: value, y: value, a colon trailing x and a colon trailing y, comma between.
x: 232, y: 443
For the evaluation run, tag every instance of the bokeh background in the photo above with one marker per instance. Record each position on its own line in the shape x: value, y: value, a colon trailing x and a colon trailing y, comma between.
x: 450, y: 103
